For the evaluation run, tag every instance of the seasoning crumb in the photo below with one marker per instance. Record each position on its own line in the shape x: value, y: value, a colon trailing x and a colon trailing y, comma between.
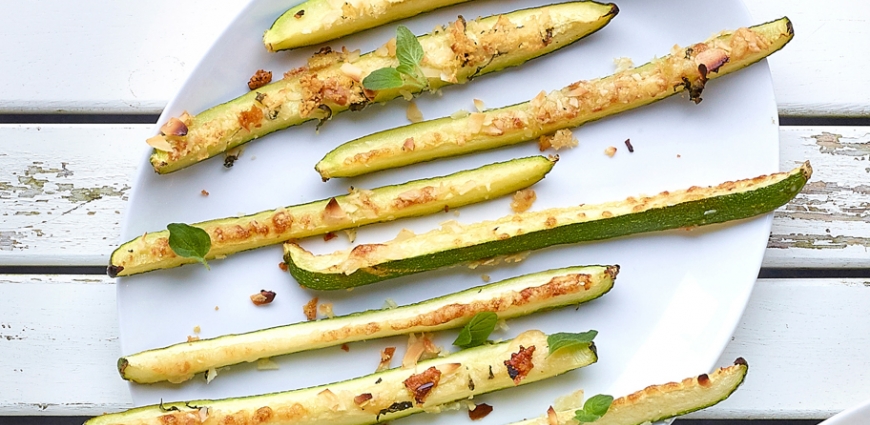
x: 329, y: 236
x: 191, y: 338
x: 479, y: 105
x: 283, y: 266
x: 196, y: 329
x: 216, y: 308
x: 386, y: 358
x: 299, y: 14
x: 678, y: 156
x: 260, y: 79
x: 263, y: 297
x: 523, y: 200
x: 485, y: 278
x: 623, y: 64
x: 345, y: 347
x: 267, y: 364
x: 351, y: 235
x: 628, y: 145
x: 204, y: 192
x: 610, y: 151
x: 310, y: 309
x: 479, y: 412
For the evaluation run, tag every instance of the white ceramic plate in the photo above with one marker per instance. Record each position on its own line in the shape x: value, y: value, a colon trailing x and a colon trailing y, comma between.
x: 857, y: 415
x: 675, y: 303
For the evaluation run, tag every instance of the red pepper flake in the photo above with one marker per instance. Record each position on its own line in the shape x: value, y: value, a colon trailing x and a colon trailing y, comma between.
x: 328, y: 237
x: 421, y: 384
x: 386, y: 358
x: 283, y: 266
x: 480, y: 411
x: 520, y: 364
x: 263, y: 297
x: 362, y: 399
x: 345, y: 347
x: 628, y: 145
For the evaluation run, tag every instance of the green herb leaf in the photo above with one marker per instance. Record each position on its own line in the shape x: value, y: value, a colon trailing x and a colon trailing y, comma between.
x: 406, y: 69
x: 408, y: 48
x: 594, y: 408
x: 188, y: 241
x: 598, y: 404
x: 584, y: 416
x: 384, y: 78
x: 477, y: 330
x: 562, y: 340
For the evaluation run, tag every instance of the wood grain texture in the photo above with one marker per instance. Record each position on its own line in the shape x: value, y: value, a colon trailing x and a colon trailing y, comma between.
x: 78, y: 177
x: 59, y: 344
x: 131, y: 57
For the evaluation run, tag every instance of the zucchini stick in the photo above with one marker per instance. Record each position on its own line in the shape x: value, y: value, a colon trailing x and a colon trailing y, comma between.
x: 318, y: 21
x: 508, y: 299
x: 659, y: 402
x: 383, y: 396
x: 331, y: 82
x: 151, y: 251
x: 454, y: 243
x: 581, y: 102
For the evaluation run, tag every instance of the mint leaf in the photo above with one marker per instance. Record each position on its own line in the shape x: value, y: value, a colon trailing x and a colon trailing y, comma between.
x: 384, y: 78
x: 598, y: 404
x: 584, y: 416
x: 188, y: 241
x: 562, y: 340
x: 477, y: 330
x: 406, y: 69
x: 408, y: 48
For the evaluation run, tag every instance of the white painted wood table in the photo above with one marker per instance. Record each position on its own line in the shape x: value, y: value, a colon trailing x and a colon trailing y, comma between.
x: 64, y: 180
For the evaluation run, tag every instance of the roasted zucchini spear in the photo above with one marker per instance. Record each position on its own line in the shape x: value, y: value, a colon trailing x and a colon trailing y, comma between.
x: 151, y: 251
x: 383, y: 396
x: 685, y: 69
x: 331, y: 83
x: 659, y: 402
x: 510, y: 298
x: 513, y: 234
x: 318, y: 21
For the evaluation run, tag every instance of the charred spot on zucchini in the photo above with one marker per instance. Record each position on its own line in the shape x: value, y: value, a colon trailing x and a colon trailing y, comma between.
x: 455, y: 244
x: 230, y: 235
x: 389, y: 400
x: 508, y: 299
x: 682, y: 70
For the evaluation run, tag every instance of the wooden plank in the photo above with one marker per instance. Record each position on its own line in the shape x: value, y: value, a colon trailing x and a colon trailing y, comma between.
x: 132, y: 57
x: 806, y: 342
x: 828, y: 224
x: 74, y: 178
x: 78, y: 177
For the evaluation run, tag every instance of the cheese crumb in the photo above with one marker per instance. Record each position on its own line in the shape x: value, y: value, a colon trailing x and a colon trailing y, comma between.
x: 523, y: 200
x: 623, y: 64
x: 562, y: 139
x: 413, y: 113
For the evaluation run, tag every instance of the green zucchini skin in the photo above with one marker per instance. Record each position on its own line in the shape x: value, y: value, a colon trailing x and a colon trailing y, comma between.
x: 302, y: 25
x: 415, y: 198
x: 325, y: 87
x: 584, y: 101
x: 510, y: 298
x: 309, y: 406
x: 696, y: 206
x: 665, y: 401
